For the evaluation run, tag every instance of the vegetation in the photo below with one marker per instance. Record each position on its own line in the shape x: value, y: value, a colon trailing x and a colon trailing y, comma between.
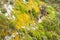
x: 22, y: 23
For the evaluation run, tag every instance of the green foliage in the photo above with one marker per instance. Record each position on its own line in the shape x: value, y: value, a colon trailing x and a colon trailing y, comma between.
x: 48, y: 29
x: 51, y: 12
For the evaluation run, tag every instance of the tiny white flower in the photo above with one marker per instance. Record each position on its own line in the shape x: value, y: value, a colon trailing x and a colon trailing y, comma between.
x: 12, y: 35
x: 10, y: 7
x: 13, y: 17
x: 5, y: 6
x: 25, y: 1
x: 34, y: 28
x: 7, y: 37
x: 6, y: 14
x: 0, y: 12
x: 23, y: 26
x: 40, y: 20
x: 17, y: 33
